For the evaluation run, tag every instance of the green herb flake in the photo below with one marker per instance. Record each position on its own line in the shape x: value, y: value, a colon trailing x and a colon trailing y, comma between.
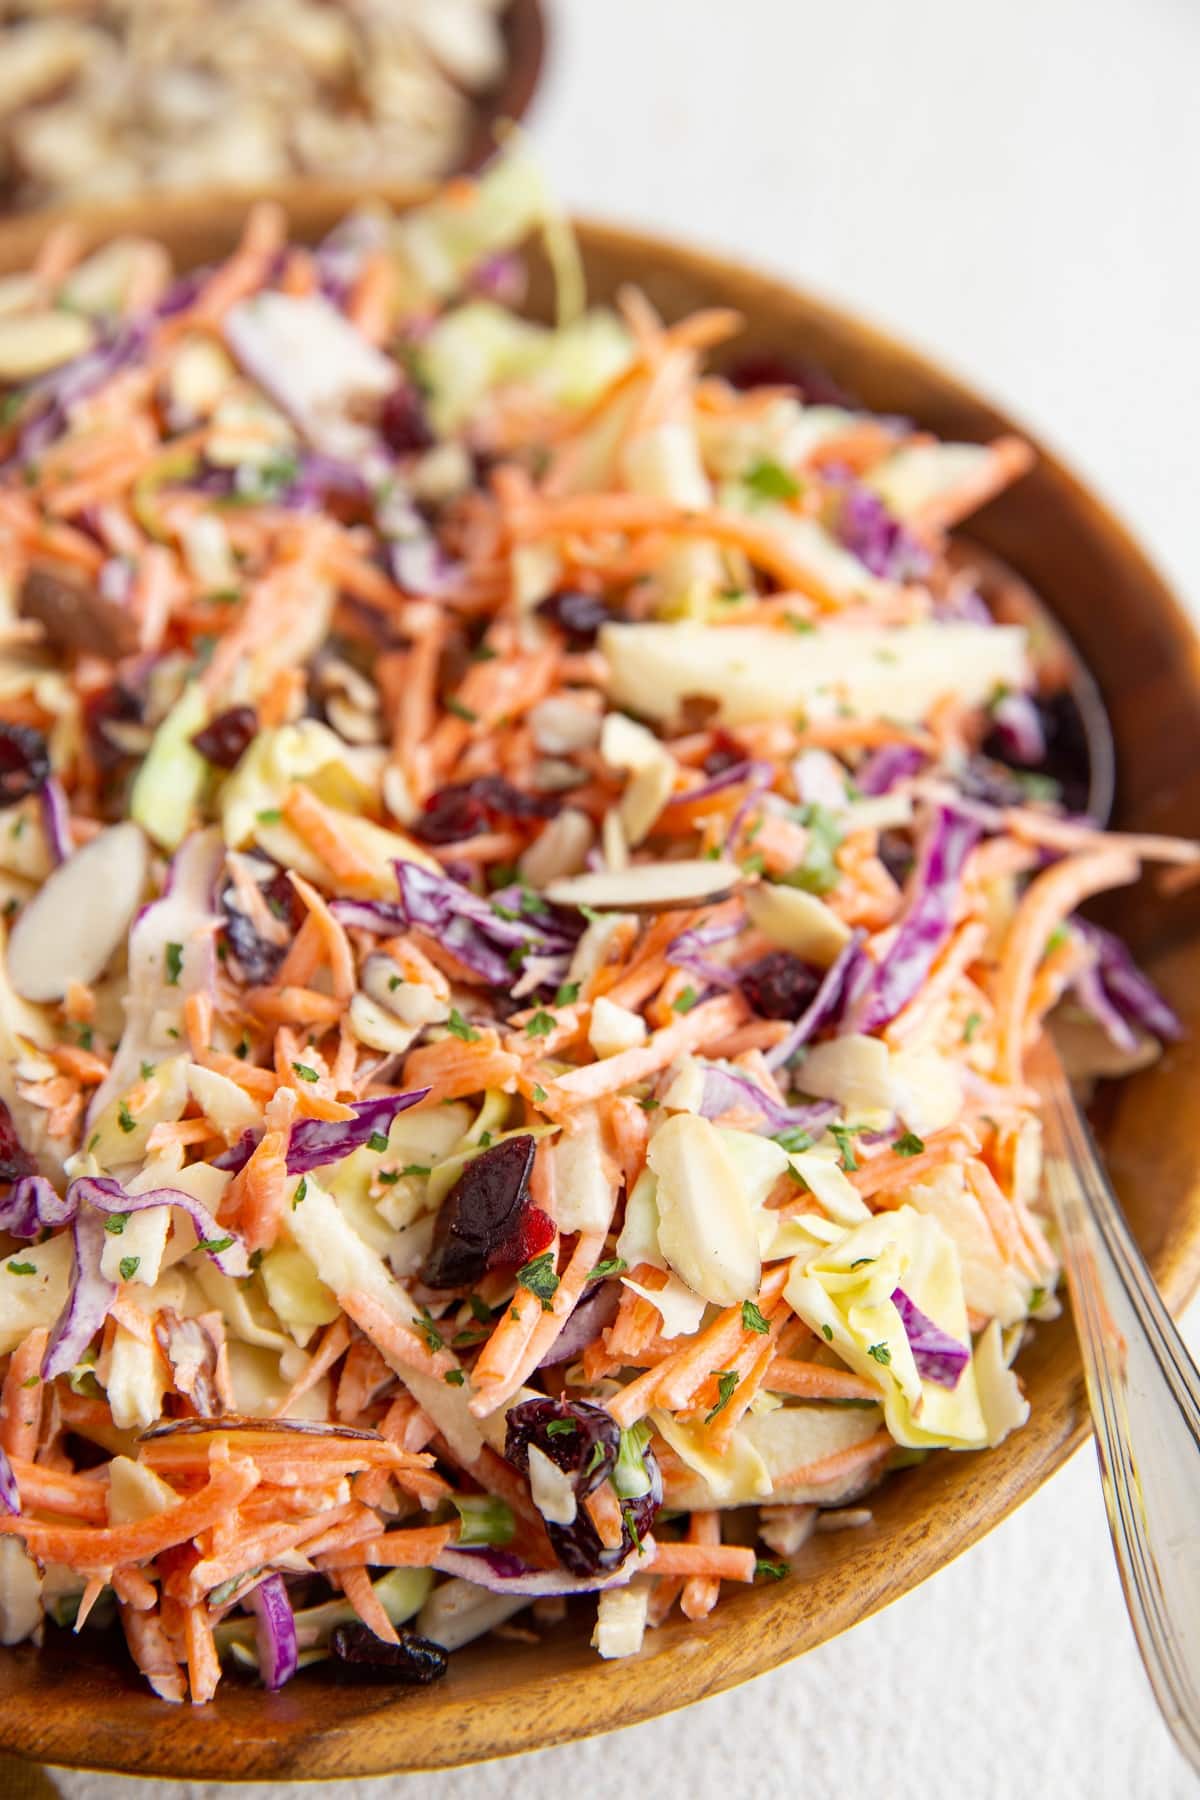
x: 908, y: 1144
x: 301, y: 1190
x: 86, y: 1036
x: 771, y: 1571
x: 561, y: 1428
x: 630, y: 1518
x: 612, y: 1265
x: 539, y: 1094
x: 879, y: 1353
x: 129, y: 1266
x: 147, y: 1070
x: 861, y: 1262
x: 114, y: 1224
x: 377, y: 1142
x: 417, y: 1169
x: 173, y: 957
x: 125, y: 1118
x: 727, y: 1380
x: 462, y: 712
x: 971, y: 1025
x: 752, y: 1319
x: 305, y: 1072
x: 1037, y: 1299
x: 32, y: 1381
x: 270, y: 815
x: 827, y: 1333
x: 567, y: 994
x: 541, y: 1024
x: 214, y: 1246
x: 818, y: 872
x: 769, y: 480
x: 804, y: 626
x: 21, y: 1268
x: 596, y: 1458
x: 841, y: 1135
x: 427, y: 1327
x: 649, y: 1104
x: 481, y: 1312
x: 684, y: 1002
x: 454, y: 1378
x: 458, y: 1026
x: 540, y: 1277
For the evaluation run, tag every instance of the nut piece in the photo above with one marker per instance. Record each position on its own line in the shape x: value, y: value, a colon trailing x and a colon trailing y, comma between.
x: 75, y: 615
x: 32, y: 343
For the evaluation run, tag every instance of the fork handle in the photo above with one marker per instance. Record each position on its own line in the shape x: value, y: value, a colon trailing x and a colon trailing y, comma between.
x: 1144, y: 1391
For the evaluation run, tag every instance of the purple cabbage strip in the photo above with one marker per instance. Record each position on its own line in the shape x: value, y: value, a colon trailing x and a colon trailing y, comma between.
x: 927, y: 923
x: 274, y: 1630
x: 939, y: 1357
x: 1133, y: 994
x: 887, y: 767
x: 108, y: 1196
x: 1089, y: 990
x: 10, y: 1494
x: 89, y: 1297
x: 687, y: 952
x: 839, y: 989
x: 501, y: 1573
x: 315, y: 1142
x: 726, y: 1088
x: 881, y: 543
x: 31, y: 1206
x: 56, y: 820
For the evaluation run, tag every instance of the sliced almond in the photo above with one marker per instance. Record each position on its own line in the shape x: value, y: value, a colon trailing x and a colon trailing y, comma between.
x: 706, y: 1225
x: 798, y: 922
x: 560, y: 851
x: 648, y: 887
x: 32, y: 343
x: 79, y: 917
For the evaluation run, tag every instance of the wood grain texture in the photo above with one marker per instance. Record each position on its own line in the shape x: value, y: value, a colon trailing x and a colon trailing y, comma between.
x: 78, y: 1701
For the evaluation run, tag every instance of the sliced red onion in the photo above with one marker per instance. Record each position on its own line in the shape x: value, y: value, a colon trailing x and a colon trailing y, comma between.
x: 315, y: 1142
x: 502, y: 1573
x: 154, y: 1003
x: 939, y: 1357
x: 275, y: 1631
x: 56, y: 820
x: 1132, y: 993
x: 89, y: 1297
x: 887, y: 767
x: 595, y: 1311
x: 840, y: 987
x: 687, y: 952
x: 726, y: 1088
x: 10, y: 1494
x: 108, y: 1196
x: 928, y: 921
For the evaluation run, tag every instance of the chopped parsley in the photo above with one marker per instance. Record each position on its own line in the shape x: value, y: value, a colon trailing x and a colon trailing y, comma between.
x: 684, y: 1002
x: 794, y: 1140
x: 539, y: 1094
x: 301, y: 1190
x: 86, y: 1036
x: 596, y: 1458
x: 541, y: 1024
x: 630, y: 1519
x: 427, y: 1327
x: 908, y: 1144
x: 417, y: 1169
x: 1037, y: 1299
x: 727, y: 1380
x: 173, y: 957
x: 125, y: 1118
x: 454, y: 1378
x: 32, y: 1381
x: 841, y: 1134
x: 459, y: 1027
x: 214, y: 1246
x: 567, y: 994
x: 377, y: 1141
x: 971, y: 1025
x: 561, y: 1428
x: 305, y: 1071
x: 818, y: 872
x: 129, y: 1266
x: 270, y: 815
x: 480, y: 1310
x: 827, y: 1333
x: 612, y: 1265
x: 21, y: 1268
x: 649, y: 1104
x: 769, y: 480
x: 752, y: 1319
x: 879, y: 1353
x: 147, y: 1070
x: 394, y: 982
x: 540, y: 1277
x: 115, y: 1223
x: 771, y: 1571
x: 462, y: 712
x: 1058, y: 937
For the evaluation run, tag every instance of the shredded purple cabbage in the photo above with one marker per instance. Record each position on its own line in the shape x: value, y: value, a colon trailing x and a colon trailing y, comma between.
x: 10, y: 1494
x: 881, y: 543
x: 939, y: 1357
x: 89, y: 1297
x: 275, y: 1631
x: 32, y: 1206
x: 726, y: 1088
x: 843, y: 981
x: 315, y: 1142
x: 687, y: 952
x: 886, y: 768
x: 927, y: 923
x: 1132, y: 995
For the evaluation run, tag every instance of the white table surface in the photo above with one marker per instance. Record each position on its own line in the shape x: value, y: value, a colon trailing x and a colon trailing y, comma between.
x: 1012, y: 187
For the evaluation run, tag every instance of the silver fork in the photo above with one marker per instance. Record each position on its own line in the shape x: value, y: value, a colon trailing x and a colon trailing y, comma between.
x: 1144, y: 1391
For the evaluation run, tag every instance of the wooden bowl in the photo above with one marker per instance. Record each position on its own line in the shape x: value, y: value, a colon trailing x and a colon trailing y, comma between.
x: 80, y: 1702
x: 524, y: 28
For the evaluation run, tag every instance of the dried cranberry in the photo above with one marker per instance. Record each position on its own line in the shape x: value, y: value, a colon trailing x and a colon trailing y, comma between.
x: 579, y: 615
x: 726, y: 753
x: 466, y: 807
x: 414, y: 1660
x: 583, y: 1441
x: 24, y: 763
x: 225, y: 741
x: 258, y: 958
x: 767, y: 368
x: 15, y: 1160
x: 779, y: 985
x: 482, y: 1221
x: 403, y: 425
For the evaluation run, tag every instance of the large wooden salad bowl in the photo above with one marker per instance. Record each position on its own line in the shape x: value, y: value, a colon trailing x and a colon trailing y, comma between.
x: 85, y: 1705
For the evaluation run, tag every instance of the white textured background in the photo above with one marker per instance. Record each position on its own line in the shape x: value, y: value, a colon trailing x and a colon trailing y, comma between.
x: 1012, y: 186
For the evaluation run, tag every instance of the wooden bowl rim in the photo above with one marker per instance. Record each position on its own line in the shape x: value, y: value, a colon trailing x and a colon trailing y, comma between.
x: 440, y: 1728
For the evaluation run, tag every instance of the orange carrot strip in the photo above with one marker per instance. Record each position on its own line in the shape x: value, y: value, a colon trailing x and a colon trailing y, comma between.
x: 711, y: 1020
x: 452, y: 1069
x: 333, y: 1343
x: 701, y: 1592
x: 150, y: 1649
x: 134, y: 1588
x: 725, y: 1562
x: 21, y: 1397
x: 411, y: 1548
x: 293, y: 1006
x: 356, y: 1585
x: 317, y: 824
x: 57, y: 1491
x: 815, y: 1381
x: 203, y: 1663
